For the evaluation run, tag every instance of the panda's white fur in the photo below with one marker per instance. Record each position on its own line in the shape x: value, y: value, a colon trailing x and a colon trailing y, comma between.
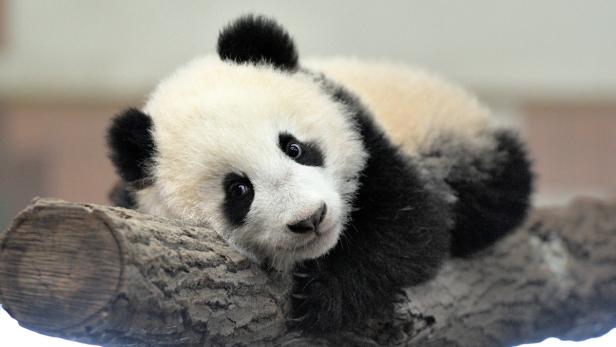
x: 400, y: 168
x: 246, y: 107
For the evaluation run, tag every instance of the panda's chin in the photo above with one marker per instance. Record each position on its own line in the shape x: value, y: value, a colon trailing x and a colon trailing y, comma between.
x: 284, y: 253
x: 316, y: 247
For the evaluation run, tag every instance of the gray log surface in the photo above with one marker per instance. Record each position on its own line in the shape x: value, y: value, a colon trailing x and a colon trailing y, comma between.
x: 115, y: 277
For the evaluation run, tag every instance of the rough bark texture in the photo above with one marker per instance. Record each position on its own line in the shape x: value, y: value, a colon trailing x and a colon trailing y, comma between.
x: 114, y: 277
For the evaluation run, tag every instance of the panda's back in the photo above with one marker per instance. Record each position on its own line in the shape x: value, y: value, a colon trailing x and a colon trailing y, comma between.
x: 415, y: 107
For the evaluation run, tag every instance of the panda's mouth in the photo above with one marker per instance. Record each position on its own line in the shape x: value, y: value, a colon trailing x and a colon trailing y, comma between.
x: 317, y: 237
x: 296, y: 245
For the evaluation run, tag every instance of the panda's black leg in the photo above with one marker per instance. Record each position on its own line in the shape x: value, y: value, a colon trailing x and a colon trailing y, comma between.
x: 491, y: 204
x: 122, y: 196
x: 327, y: 299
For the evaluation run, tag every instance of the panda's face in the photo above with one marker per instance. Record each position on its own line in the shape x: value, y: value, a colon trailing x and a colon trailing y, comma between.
x: 263, y: 156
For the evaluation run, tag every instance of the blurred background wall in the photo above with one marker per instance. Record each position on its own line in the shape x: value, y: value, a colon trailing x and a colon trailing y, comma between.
x: 66, y: 66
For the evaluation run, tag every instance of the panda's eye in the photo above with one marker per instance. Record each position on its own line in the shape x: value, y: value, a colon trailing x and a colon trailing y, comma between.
x: 294, y: 150
x: 239, y: 194
x: 304, y: 153
x: 238, y: 190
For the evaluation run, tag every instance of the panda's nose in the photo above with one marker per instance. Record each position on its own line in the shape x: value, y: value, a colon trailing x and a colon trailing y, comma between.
x: 311, y: 223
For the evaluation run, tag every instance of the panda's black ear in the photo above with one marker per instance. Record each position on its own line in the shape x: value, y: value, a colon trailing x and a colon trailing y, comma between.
x: 257, y: 39
x: 131, y: 146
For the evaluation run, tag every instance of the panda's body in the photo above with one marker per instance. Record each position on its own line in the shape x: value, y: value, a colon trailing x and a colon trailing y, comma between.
x: 414, y: 107
x: 291, y: 167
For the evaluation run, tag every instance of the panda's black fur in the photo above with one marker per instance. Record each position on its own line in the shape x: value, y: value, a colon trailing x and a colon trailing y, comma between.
x: 403, y: 223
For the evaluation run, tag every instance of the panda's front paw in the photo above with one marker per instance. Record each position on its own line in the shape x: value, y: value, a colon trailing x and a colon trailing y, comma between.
x: 316, y: 303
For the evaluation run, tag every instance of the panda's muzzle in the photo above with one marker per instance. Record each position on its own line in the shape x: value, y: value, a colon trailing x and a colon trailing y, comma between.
x: 311, y: 223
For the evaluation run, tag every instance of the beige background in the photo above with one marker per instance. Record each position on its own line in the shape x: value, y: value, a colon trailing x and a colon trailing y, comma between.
x: 547, y: 67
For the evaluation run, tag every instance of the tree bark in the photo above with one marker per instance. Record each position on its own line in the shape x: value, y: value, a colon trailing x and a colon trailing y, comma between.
x: 115, y: 277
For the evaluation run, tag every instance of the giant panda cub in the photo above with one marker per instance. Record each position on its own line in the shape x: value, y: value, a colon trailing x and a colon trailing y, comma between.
x: 358, y: 178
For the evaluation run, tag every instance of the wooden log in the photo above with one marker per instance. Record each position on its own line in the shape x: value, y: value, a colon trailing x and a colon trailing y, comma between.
x: 115, y: 277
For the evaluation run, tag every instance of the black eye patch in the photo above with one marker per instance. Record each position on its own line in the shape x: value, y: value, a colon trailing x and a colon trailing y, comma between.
x: 305, y: 153
x: 239, y: 194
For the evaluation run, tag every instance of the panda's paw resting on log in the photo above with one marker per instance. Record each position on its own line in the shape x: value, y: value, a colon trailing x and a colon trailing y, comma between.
x: 358, y: 178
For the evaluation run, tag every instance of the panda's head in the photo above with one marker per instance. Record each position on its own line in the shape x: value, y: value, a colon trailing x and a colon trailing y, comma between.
x: 247, y: 143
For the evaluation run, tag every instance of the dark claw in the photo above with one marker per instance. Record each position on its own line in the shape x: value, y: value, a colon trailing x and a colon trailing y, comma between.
x: 300, y: 275
x: 299, y: 296
x: 298, y: 319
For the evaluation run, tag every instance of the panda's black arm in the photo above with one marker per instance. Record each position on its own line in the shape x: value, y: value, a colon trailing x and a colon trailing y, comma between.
x: 397, y: 236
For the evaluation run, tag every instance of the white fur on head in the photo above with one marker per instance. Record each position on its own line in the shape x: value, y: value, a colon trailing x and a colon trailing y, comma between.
x: 212, y: 118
